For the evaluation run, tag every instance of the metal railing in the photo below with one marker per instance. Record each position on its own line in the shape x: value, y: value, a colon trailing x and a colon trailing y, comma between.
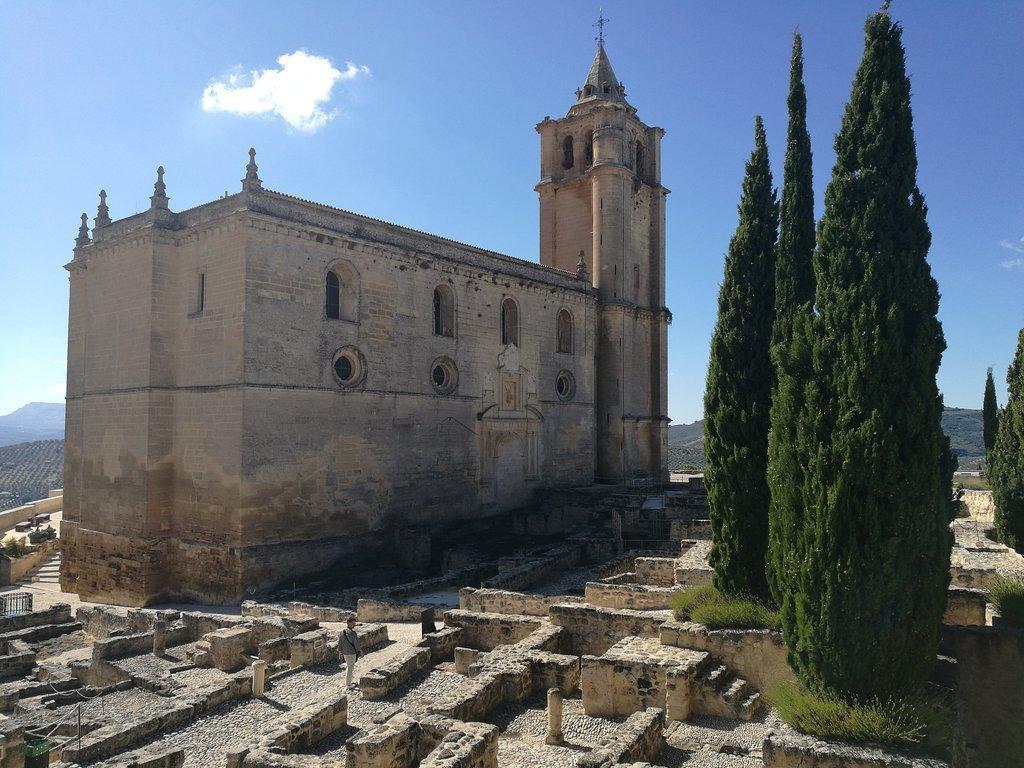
x: 15, y: 603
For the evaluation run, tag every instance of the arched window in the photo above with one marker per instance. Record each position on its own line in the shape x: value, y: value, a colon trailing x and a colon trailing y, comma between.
x: 509, y: 322
x: 563, y: 331
x: 333, y: 304
x: 639, y: 159
x: 568, y: 160
x: 444, y: 311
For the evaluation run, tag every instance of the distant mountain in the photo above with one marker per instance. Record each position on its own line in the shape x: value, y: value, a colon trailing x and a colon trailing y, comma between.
x: 29, y: 470
x: 35, y: 421
x: 962, y: 425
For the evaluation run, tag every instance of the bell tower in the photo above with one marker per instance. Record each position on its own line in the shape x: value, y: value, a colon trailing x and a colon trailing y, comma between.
x: 601, y: 200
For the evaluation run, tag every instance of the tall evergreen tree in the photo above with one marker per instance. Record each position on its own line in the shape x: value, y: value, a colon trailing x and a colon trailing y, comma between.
x: 876, y: 490
x: 1006, y: 459
x: 794, y: 295
x: 738, y: 395
x: 990, y: 413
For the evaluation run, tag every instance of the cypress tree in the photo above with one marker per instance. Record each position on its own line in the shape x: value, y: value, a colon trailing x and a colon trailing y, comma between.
x: 990, y: 413
x: 861, y: 613
x: 794, y: 294
x: 738, y: 395
x: 1006, y: 462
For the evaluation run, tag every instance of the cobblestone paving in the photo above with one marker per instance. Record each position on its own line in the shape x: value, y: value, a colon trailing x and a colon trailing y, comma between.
x: 333, y: 747
x: 207, y: 739
x: 117, y: 706
x: 674, y: 757
x: 717, y: 731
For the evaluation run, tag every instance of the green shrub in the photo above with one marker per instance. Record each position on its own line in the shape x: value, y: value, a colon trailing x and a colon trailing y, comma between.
x: 685, y: 602
x: 921, y: 723
x: 707, y: 606
x: 736, y: 613
x: 1008, y: 596
x: 15, y: 547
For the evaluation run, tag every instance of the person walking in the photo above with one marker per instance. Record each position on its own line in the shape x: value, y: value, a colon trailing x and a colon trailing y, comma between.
x: 348, y: 645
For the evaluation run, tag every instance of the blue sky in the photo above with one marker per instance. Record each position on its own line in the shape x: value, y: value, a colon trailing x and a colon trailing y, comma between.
x: 430, y: 123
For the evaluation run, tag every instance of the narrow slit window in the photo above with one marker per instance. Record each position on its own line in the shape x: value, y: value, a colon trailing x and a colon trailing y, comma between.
x: 200, y: 293
x: 444, y: 311
x: 333, y: 302
x: 509, y: 322
x: 563, y: 331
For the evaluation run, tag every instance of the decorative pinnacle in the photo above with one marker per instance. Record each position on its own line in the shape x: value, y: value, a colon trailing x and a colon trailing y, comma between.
x: 581, y: 269
x: 251, y: 178
x: 102, y: 212
x: 159, y: 198
x: 83, y: 232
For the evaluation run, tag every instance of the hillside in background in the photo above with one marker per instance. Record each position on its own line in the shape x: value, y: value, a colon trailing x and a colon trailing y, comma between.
x: 29, y: 470
x: 35, y: 421
x: 962, y: 425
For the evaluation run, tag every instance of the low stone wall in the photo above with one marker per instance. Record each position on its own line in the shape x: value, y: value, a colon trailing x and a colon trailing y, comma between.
x: 638, y: 597
x: 633, y: 675
x: 309, y: 648
x: 111, y: 739
x: 13, y: 570
x: 965, y: 607
x: 303, y: 728
x: 442, y: 644
x: 692, y: 568
x: 690, y: 529
x: 391, y: 744
x: 467, y: 745
x: 486, y: 631
x: 786, y: 748
x: 16, y: 658
x: 11, y: 517
x: 593, y: 630
x: 990, y: 697
x: 380, y: 681
x: 658, y: 571
x: 169, y: 757
x: 538, y: 569
x: 324, y: 613
x: 759, y: 655
x: 502, y: 601
x: 639, y: 739
x: 58, y: 613
x: 979, y: 505
x: 391, y: 610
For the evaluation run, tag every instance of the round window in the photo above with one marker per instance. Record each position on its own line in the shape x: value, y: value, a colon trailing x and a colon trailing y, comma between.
x: 444, y: 376
x: 565, y: 386
x: 349, y: 367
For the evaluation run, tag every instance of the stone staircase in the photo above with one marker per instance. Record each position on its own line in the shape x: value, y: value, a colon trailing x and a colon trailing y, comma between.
x: 720, y: 692
x: 45, y: 575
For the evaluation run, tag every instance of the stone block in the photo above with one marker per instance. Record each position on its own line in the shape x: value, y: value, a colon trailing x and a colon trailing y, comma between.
x: 309, y: 648
x: 230, y: 648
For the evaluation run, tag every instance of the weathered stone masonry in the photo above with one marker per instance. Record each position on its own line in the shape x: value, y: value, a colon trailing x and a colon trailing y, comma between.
x: 229, y: 427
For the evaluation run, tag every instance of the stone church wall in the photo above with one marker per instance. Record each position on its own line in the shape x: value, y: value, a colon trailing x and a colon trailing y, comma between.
x: 212, y: 451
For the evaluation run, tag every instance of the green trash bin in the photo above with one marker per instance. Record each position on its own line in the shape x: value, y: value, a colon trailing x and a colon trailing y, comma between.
x: 37, y: 753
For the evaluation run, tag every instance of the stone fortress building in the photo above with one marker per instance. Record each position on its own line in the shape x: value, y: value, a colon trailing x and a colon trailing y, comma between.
x: 261, y: 385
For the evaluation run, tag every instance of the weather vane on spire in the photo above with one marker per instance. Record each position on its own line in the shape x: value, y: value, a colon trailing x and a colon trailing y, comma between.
x: 601, y: 21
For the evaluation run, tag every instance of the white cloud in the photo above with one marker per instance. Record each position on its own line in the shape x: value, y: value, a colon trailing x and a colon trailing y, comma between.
x: 297, y: 91
x: 1016, y: 247
x: 1013, y: 263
